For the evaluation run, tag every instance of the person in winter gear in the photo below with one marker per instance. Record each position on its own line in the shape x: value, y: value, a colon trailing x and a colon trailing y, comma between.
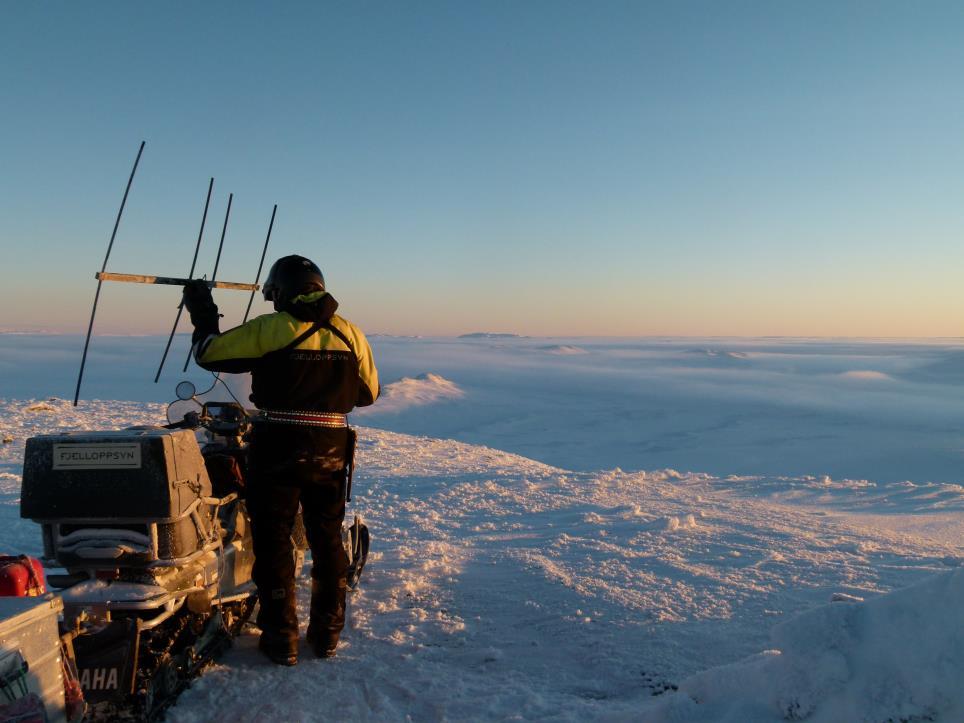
x: 309, y: 368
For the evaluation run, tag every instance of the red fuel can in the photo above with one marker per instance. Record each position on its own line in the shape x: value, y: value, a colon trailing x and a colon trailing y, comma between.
x: 21, y: 576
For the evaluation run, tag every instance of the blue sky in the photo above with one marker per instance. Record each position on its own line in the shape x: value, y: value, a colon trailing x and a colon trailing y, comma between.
x: 534, y: 167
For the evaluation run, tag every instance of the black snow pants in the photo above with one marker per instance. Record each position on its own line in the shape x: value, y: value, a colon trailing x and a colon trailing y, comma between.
x: 292, y: 465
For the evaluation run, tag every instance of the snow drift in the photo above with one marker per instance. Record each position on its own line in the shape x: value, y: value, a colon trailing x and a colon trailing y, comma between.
x: 898, y: 656
x: 415, y: 392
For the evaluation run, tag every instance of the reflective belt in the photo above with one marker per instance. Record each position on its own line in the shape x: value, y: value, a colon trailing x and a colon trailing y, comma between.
x: 312, y: 419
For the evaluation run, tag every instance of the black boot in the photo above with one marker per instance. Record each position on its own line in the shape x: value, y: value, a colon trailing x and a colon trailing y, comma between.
x: 279, y: 648
x: 327, y: 615
x: 278, y: 621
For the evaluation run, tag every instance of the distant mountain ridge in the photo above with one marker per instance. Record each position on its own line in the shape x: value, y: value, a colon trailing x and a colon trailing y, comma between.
x: 489, y: 335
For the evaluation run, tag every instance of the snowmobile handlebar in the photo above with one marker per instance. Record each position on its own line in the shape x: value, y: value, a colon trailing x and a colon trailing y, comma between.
x: 223, y: 418
x: 191, y: 420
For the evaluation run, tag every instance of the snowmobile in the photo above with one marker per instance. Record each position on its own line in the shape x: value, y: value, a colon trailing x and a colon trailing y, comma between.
x: 150, y: 528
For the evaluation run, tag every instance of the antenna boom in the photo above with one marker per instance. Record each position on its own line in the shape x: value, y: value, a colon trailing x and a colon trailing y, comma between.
x: 172, y: 281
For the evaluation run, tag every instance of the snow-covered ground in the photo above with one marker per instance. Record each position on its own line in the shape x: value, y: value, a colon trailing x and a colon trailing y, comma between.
x: 501, y: 587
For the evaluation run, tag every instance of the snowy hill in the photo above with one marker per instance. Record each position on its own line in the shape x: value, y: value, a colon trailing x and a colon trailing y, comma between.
x: 500, y: 587
x: 503, y: 588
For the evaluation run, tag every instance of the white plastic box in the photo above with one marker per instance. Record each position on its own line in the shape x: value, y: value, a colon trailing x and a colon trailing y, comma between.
x: 29, y: 631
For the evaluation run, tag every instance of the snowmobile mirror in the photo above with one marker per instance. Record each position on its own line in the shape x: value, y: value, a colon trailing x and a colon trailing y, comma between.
x: 185, y: 391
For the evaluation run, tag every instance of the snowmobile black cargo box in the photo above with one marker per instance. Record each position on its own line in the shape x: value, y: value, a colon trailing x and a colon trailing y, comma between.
x: 146, y: 474
x: 130, y: 497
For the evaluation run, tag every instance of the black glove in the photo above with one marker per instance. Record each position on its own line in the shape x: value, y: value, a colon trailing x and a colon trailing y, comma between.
x: 200, y: 305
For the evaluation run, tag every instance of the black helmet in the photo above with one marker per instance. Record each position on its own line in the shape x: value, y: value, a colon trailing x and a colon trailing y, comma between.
x: 290, y: 276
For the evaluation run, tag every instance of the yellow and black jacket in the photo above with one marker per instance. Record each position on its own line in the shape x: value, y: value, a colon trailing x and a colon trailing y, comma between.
x: 304, y: 358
